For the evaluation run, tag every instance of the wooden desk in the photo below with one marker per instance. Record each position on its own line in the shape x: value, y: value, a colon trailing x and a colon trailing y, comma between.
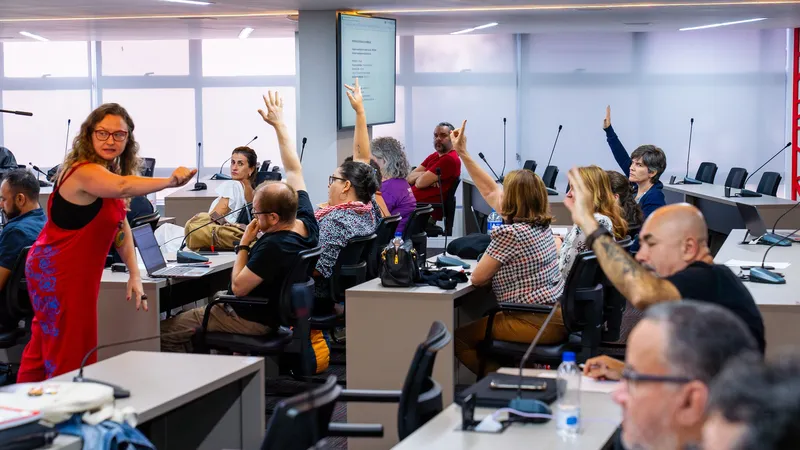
x: 118, y: 320
x: 779, y: 303
x: 721, y: 212
x: 473, y: 203
x: 187, y: 400
x: 184, y: 203
x: 601, y: 417
x: 384, y: 328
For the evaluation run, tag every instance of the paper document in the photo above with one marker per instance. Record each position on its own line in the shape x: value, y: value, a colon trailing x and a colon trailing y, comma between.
x: 587, y: 384
x: 740, y: 263
x: 559, y: 231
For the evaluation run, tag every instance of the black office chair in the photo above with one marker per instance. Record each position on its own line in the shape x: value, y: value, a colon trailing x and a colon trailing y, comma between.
x: 150, y: 219
x: 549, y: 177
x: 17, y: 305
x: 449, y: 212
x: 295, y: 302
x: 148, y: 167
x: 582, y: 311
x: 706, y: 173
x: 530, y: 165
x: 415, y: 230
x: 384, y: 235
x: 420, y: 400
x: 736, y: 178
x: 769, y: 183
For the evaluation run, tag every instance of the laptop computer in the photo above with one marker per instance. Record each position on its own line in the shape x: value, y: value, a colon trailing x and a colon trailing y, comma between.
x: 154, y: 261
x: 757, y: 228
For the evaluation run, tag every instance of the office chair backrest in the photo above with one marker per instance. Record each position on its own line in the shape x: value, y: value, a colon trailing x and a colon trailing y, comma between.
x: 18, y: 304
x: 245, y: 216
x: 421, y: 397
x: 263, y: 176
x: 301, y: 421
x: 385, y: 233
x: 149, y: 219
x: 351, y: 266
x: 530, y: 165
x: 7, y: 160
x: 736, y: 178
x: 769, y: 183
x: 148, y: 167
x: 549, y: 177
x: 584, y: 274
x: 418, y: 221
x: 265, y: 166
x: 295, y: 304
x: 450, y: 207
x: 707, y: 172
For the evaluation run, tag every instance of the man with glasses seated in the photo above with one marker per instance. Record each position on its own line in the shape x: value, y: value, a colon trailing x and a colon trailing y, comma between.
x: 673, y: 354
x: 285, y: 216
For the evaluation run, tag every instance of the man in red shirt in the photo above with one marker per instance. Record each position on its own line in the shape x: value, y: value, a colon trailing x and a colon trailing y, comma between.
x: 423, y: 178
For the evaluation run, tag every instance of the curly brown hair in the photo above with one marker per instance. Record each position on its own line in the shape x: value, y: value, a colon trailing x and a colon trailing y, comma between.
x: 83, y: 147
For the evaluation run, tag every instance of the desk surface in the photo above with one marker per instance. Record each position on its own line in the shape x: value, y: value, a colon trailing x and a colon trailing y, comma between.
x: 219, y: 262
x: 601, y: 417
x: 162, y: 382
x: 187, y: 192
x: 374, y: 288
x: 716, y: 192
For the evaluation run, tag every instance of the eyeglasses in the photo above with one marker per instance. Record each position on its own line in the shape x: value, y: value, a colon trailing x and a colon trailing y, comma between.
x: 332, y: 178
x: 631, y: 377
x: 103, y: 135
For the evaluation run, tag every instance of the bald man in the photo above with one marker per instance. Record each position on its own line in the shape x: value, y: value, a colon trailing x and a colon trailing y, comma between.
x: 674, y: 261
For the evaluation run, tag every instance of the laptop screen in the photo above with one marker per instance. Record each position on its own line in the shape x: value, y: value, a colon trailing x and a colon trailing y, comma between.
x: 148, y: 247
x: 752, y: 220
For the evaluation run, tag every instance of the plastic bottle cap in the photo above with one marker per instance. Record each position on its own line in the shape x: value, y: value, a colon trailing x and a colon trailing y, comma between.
x: 568, y: 357
x: 398, y: 234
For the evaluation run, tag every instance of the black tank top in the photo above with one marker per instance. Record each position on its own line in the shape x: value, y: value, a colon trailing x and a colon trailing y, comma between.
x: 70, y: 216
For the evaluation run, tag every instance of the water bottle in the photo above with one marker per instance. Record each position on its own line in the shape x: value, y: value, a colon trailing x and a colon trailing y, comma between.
x: 568, y: 406
x: 397, y: 241
x: 494, y: 221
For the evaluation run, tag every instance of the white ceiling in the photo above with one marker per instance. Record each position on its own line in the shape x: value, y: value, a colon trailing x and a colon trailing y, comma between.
x: 224, y: 19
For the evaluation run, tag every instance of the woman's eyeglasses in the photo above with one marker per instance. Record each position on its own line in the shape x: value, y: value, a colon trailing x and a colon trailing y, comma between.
x: 332, y: 178
x: 118, y: 136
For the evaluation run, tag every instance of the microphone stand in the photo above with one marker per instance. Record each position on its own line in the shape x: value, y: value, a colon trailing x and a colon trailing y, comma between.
x: 551, y: 191
x: 221, y: 176
x: 498, y: 179
x: 503, y: 172
x: 198, y: 186
x: 445, y: 261
x: 749, y: 193
x: 39, y: 171
x: 687, y: 179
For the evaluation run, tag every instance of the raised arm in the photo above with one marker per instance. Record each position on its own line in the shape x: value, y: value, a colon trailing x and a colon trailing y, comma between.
x: 98, y: 181
x: 291, y: 162
x: 489, y: 189
x: 617, y: 149
x: 361, y: 145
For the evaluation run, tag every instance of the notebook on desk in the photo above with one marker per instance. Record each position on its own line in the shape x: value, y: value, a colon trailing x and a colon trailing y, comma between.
x: 154, y: 261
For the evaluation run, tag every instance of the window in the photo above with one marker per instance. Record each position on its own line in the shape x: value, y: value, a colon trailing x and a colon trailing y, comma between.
x: 40, y: 139
x: 46, y: 59
x: 397, y: 129
x: 231, y: 119
x: 165, y: 123
x: 145, y: 57
x: 249, y: 57
x: 484, y: 53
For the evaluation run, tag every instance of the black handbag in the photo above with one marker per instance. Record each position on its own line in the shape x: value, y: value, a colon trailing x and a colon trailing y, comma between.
x: 399, y: 267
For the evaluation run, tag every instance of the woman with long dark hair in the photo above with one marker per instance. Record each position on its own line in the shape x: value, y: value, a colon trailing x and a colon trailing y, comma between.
x: 238, y: 191
x: 86, y: 215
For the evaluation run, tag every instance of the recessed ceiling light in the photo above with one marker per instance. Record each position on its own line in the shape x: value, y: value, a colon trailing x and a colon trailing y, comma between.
x: 480, y: 27
x: 245, y: 33
x: 189, y: 2
x: 33, y: 36
x: 723, y: 24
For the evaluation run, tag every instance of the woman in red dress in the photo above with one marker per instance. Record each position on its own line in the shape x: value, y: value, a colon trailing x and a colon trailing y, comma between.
x: 86, y: 215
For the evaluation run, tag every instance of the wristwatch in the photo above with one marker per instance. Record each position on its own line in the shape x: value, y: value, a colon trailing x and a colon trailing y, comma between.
x: 600, y: 231
x: 246, y: 248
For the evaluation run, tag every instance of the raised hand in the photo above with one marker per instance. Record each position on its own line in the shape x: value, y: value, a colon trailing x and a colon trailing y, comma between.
x: 607, y: 120
x: 181, y: 176
x: 582, y: 208
x: 274, y: 113
x: 355, y: 97
x: 459, y: 139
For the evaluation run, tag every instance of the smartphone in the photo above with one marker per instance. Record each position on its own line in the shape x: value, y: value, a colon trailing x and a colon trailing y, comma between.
x: 537, y: 386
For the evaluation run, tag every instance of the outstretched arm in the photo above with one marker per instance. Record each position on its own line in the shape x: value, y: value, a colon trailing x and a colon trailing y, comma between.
x: 617, y: 149
x: 361, y: 150
x: 289, y: 158
x: 489, y: 189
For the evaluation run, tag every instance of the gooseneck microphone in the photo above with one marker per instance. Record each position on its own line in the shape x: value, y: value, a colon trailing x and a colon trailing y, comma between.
x: 18, y: 113
x: 198, y: 186
x: 503, y: 172
x: 41, y: 183
x: 687, y: 179
x: 446, y: 261
x: 303, y: 149
x: 551, y: 191
x: 749, y: 193
x: 498, y: 179
x: 221, y: 176
x: 764, y: 275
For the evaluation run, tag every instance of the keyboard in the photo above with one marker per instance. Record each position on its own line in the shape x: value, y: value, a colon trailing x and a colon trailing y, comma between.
x: 175, y: 271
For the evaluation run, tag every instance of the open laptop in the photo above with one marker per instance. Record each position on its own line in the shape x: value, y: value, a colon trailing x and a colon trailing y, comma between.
x: 757, y: 228
x: 154, y: 261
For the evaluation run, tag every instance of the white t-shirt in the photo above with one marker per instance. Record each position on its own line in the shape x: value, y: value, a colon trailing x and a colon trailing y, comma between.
x: 234, y: 192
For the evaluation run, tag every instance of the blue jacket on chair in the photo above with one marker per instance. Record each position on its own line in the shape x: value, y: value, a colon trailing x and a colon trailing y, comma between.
x: 105, y: 436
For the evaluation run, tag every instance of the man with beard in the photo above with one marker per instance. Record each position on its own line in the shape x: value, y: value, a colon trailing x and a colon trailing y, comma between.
x: 19, y: 199
x: 423, y: 178
x: 674, y: 261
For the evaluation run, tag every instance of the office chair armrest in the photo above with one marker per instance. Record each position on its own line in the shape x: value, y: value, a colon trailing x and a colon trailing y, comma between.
x: 357, y: 430
x: 228, y: 299
x: 525, y: 307
x: 369, y: 396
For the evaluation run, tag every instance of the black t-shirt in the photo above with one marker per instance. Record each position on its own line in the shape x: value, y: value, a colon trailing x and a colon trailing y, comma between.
x: 717, y: 284
x: 272, y: 258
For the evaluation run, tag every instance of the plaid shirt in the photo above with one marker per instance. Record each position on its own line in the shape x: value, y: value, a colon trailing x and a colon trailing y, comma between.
x: 529, y: 271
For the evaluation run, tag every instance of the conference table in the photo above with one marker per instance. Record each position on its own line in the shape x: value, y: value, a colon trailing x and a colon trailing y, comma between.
x: 475, y: 207
x: 118, y: 320
x: 184, y: 203
x: 721, y: 212
x: 186, y: 400
x: 600, y: 418
x: 779, y: 303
